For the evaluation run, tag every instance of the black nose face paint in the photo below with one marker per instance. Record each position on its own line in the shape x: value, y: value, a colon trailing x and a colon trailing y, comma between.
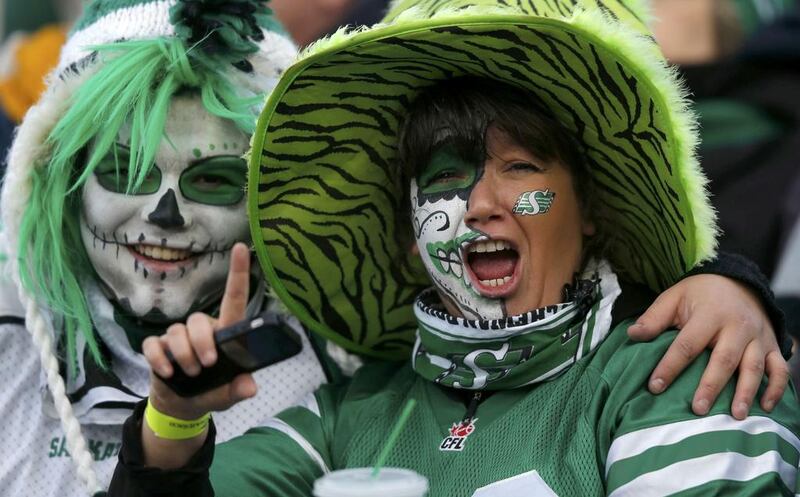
x: 167, y: 214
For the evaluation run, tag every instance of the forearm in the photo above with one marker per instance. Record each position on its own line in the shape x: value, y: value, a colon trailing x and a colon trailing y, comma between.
x: 174, y: 447
x: 169, y: 454
x: 134, y: 477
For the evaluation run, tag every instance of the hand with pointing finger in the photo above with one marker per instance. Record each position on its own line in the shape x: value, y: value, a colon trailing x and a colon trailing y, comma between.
x: 193, y: 347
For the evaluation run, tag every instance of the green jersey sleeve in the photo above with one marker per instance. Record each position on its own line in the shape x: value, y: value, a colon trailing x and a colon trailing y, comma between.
x: 655, y: 445
x: 282, y: 457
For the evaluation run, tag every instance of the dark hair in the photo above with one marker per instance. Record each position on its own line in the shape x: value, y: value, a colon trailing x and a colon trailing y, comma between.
x: 458, y: 112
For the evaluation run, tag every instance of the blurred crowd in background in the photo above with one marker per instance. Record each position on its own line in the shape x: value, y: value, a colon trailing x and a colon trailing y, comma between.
x: 740, y: 60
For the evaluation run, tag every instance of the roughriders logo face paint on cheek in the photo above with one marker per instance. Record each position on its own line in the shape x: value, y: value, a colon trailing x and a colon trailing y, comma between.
x: 162, y: 250
x: 533, y: 203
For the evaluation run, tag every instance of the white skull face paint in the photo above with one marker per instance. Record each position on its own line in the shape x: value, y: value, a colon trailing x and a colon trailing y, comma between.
x: 163, y: 252
x: 438, y: 216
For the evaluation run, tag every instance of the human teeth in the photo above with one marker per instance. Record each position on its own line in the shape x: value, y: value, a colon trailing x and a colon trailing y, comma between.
x: 162, y: 253
x: 496, y: 282
x: 489, y: 246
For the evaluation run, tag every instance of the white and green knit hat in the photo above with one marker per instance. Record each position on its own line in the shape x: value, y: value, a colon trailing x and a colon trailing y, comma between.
x: 326, y: 202
x: 234, y: 29
x: 230, y: 51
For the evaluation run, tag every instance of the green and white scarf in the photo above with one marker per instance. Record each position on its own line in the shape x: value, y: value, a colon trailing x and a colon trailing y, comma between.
x: 515, y: 351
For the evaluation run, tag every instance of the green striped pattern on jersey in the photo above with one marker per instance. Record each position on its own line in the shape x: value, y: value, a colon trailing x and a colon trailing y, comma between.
x: 326, y: 204
x: 702, y: 455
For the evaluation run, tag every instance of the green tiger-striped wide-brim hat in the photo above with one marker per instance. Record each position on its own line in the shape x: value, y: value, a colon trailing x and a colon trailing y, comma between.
x: 325, y: 201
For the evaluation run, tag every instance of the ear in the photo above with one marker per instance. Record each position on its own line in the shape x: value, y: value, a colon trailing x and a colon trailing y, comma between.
x: 414, y: 249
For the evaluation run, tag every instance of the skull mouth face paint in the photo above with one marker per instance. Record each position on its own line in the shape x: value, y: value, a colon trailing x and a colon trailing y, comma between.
x: 162, y: 250
x: 491, y: 237
x: 439, y: 204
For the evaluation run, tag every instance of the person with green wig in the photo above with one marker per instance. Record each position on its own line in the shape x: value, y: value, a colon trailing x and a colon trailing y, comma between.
x: 124, y: 194
x: 505, y: 188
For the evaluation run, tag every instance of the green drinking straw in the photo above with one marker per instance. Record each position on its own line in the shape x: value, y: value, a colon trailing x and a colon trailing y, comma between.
x: 392, y: 440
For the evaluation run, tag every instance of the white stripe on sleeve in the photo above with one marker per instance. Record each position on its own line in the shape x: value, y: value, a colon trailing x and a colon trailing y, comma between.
x: 310, y: 403
x: 722, y: 466
x: 634, y: 443
x: 283, y: 427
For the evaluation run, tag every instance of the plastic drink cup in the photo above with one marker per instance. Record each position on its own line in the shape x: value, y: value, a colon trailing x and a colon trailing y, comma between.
x: 358, y: 482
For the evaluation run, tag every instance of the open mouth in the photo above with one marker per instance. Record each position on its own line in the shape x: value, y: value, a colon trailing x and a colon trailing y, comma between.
x: 163, y: 259
x: 154, y: 257
x: 493, y: 266
x: 161, y: 253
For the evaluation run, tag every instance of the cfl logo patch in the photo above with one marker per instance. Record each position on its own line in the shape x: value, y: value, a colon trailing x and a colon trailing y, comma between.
x: 458, y: 436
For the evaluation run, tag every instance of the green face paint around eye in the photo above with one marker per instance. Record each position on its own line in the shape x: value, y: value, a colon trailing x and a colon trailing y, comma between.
x: 446, y: 171
x: 215, y: 181
x: 533, y: 203
x: 113, y: 173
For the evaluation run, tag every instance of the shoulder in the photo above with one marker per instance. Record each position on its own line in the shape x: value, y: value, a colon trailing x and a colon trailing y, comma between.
x: 11, y: 309
x: 624, y: 368
x: 12, y: 313
x: 375, y: 381
x: 12, y: 317
x: 657, y: 440
x: 621, y: 361
x: 376, y: 376
x: 376, y: 387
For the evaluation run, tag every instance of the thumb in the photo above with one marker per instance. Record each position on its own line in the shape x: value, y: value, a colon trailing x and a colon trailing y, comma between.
x: 243, y: 387
x: 226, y: 396
x: 658, y: 317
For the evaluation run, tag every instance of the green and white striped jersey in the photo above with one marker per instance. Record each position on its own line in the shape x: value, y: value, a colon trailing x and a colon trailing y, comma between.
x: 595, y: 430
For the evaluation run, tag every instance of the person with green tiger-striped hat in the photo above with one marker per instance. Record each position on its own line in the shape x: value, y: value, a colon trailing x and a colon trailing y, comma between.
x: 538, y: 157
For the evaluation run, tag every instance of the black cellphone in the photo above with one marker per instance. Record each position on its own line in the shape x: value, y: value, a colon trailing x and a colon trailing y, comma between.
x: 243, y: 347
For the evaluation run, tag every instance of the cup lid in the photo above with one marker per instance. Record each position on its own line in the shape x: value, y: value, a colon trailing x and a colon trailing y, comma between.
x: 358, y: 482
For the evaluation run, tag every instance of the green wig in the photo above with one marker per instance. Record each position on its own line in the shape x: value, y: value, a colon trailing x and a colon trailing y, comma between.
x: 134, y: 84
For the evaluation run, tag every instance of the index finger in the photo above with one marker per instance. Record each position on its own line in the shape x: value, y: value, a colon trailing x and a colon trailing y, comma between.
x: 662, y: 314
x: 237, y: 288
x: 686, y: 346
